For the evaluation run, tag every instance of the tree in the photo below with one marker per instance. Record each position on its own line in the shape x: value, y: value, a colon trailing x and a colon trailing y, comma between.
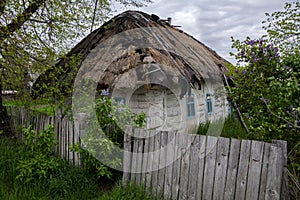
x: 267, y: 76
x: 266, y: 89
x: 283, y: 27
x: 34, y: 33
x: 267, y: 82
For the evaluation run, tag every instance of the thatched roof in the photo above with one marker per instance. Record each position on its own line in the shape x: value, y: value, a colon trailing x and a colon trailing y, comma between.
x: 134, y: 39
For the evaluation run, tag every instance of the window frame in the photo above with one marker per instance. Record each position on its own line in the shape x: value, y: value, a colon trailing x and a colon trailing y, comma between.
x: 190, y: 106
x: 120, y: 100
x: 209, y: 103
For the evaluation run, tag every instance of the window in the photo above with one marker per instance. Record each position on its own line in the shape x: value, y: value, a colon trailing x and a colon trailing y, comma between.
x: 120, y: 100
x: 209, y: 103
x: 190, y: 102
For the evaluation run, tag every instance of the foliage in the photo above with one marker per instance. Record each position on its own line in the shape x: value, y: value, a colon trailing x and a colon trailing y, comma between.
x: 40, y: 162
x: 283, y: 27
x: 131, y: 192
x: 232, y: 128
x: 66, y: 182
x: 113, y: 116
x: 266, y: 82
x: 106, y: 143
x: 266, y: 89
x: 35, y: 33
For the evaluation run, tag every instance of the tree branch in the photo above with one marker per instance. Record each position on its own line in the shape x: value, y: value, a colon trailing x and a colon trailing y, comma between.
x: 2, y: 6
x: 21, y: 18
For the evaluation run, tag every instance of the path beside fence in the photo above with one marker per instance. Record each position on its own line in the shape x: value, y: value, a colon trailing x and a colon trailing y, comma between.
x: 185, y: 166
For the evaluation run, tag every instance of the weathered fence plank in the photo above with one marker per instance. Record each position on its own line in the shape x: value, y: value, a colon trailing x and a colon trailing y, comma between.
x: 162, y: 161
x: 254, y: 172
x: 221, y: 168
x: 181, y: 166
x: 139, y: 155
x: 65, y: 132
x: 284, y: 195
x: 201, y: 146
x: 210, y: 163
x: 134, y: 158
x: 150, y: 159
x: 264, y: 172
x: 127, y: 155
x: 176, y: 166
x: 194, y: 167
x: 169, y: 164
x: 274, y: 174
x: 155, y: 165
x: 232, y: 169
x: 241, y: 182
x: 145, y: 135
x: 185, y: 164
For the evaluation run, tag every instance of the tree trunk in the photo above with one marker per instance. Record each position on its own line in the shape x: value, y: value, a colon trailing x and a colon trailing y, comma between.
x: 4, y: 122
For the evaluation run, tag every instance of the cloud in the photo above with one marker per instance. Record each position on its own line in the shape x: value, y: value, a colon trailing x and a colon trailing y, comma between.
x: 213, y: 22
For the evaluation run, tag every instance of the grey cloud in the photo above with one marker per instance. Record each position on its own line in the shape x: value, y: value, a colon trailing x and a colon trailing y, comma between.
x: 213, y: 22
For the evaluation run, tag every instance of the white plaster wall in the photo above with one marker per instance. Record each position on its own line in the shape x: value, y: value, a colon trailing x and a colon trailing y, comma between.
x: 161, y: 106
x: 165, y: 111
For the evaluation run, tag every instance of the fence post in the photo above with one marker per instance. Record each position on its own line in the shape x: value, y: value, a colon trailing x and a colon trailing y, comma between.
x: 127, y: 155
x: 274, y: 177
x: 284, y: 194
x: 80, y: 123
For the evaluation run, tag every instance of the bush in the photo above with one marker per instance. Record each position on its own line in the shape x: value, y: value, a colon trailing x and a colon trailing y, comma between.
x: 39, y: 162
x: 106, y: 143
x: 63, y: 181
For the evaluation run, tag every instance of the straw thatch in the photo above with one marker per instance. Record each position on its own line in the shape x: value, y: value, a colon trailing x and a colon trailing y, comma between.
x: 134, y: 39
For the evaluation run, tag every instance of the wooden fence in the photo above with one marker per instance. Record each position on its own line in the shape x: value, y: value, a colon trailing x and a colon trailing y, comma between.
x: 66, y: 132
x: 185, y: 166
x: 182, y: 166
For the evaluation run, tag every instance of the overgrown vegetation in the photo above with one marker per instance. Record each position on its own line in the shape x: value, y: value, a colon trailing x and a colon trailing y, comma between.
x: 232, y: 129
x: 28, y: 174
x: 30, y: 170
x: 35, y: 33
x: 41, y: 105
x: 266, y: 83
x: 131, y: 191
x: 105, y: 138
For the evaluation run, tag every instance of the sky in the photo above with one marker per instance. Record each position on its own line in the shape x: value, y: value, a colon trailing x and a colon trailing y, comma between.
x: 213, y: 22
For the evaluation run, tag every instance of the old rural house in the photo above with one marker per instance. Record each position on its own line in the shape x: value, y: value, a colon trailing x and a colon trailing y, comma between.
x: 154, y: 68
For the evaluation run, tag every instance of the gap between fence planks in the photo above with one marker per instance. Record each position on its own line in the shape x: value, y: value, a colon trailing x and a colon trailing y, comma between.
x: 185, y: 166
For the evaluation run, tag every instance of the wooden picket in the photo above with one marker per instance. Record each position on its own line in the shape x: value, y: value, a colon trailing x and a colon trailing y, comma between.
x: 185, y: 166
x: 66, y: 134
x: 181, y: 166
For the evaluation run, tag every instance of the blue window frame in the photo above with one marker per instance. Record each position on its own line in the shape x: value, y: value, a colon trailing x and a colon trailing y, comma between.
x: 190, y: 103
x: 120, y: 100
x: 209, y: 104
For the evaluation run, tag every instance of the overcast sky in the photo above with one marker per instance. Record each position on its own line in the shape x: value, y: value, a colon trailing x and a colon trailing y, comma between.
x: 213, y: 22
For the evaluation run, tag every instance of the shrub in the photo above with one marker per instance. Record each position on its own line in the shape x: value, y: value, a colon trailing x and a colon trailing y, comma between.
x: 39, y: 162
x: 106, y: 143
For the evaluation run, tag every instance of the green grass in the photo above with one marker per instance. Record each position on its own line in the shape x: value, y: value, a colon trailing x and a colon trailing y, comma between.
x: 129, y: 192
x: 39, y: 105
x: 69, y: 182
x: 232, y: 128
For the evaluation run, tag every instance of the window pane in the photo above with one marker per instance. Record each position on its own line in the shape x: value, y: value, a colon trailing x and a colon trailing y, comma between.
x: 209, y: 103
x: 190, y: 106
